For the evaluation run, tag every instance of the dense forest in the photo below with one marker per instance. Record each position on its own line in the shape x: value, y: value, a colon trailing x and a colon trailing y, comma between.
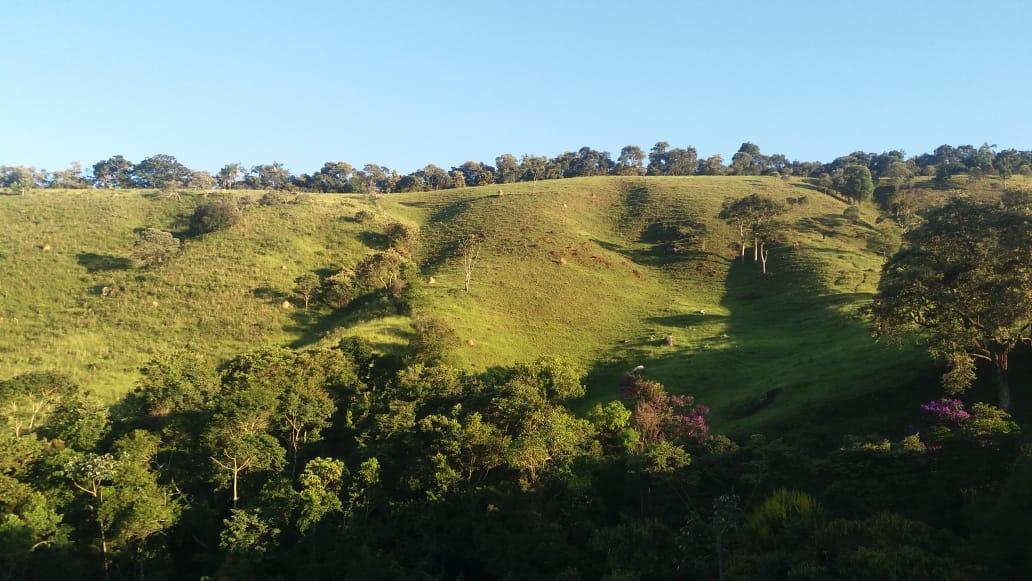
x: 338, y: 463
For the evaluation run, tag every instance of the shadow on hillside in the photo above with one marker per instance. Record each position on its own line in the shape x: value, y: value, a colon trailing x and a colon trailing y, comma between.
x: 636, y: 199
x: 94, y: 262
x: 819, y: 190
x: 318, y: 322
x: 374, y: 240
x: 774, y: 325
x: 444, y: 217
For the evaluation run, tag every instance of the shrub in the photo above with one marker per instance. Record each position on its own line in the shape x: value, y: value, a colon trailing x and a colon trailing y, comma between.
x: 381, y: 270
x: 434, y: 339
x: 402, y: 237
x: 784, y: 508
x: 363, y: 216
x: 852, y: 213
x: 154, y: 246
x: 274, y: 198
x: 307, y: 286
x: 214, y: 216
x: 338, y: 290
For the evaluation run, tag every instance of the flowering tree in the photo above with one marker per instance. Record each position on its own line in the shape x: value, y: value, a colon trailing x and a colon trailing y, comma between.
x: 659, y: 416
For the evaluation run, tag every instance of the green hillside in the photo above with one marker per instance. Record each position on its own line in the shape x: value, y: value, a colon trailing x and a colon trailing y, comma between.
x: 569, y: 267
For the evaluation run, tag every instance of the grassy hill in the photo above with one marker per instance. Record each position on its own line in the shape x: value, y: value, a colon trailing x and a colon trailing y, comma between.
x: 569, y: 267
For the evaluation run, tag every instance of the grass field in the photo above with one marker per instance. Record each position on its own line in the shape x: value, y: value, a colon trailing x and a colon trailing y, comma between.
x: 569, y: 267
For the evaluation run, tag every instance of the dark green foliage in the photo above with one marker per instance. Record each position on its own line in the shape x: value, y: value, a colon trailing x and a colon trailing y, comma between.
x: 851, y: 213
x: 433, y: 340
x: 160, y: 171
x: 402, y: 237
x: 307, y: 287
x: 857, y: 183
x: 215, y: 216
x: 340, y: 288
x: 286, y: 464
x: 963, y: 281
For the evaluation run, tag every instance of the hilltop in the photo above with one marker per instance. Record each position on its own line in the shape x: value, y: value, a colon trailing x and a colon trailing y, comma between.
x: 576, y: 267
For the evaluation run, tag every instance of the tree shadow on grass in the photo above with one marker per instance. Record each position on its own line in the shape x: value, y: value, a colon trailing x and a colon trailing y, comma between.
x: 374, y: 240
x: 94, y: 262
x: 783, y: 333
x: 319, y: 321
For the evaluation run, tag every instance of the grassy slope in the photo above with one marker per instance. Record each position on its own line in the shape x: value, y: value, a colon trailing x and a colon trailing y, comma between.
x: 567, y: 269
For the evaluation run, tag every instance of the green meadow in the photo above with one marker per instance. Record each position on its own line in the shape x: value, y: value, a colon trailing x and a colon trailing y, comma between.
x: 575, y: 267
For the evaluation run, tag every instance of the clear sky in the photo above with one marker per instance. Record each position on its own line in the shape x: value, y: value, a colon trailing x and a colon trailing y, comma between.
x: 408, y: 83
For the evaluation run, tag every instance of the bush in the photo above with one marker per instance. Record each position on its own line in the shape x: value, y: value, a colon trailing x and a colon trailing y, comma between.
x: 363, y: 216
x: 402, y: 237
x: 852, y: 214
x: 338, y: 290
x: 433, y: 341
x: 214, y: 216
x: 274, y: 198
x: 307, y: 287
x: 154, y: 246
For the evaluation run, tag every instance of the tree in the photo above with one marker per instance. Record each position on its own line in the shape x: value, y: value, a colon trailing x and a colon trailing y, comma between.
x: 160, y: 171
x: 712, y: 166
x: 70, y: 178
x: 272, y: 176
x: 305, y: 408
x: 382, y: 269
x: 402, y: 237
x: 201, y: 180
x: 963, y: 282
x: 851, y: 213
x: 435, y: 177
x: 215, y: 216
x: 29, y: 399
x: 900, y: 175
x: 469, y: 252
x: 89, y: 474
x: 236, y: 438
x: 340, y: 288
x: 154, y: 246
x: 322, y: 483
x: 631, y: 161
x: 474, y: 174
x: 508, y: 168
x: 658, y: 159
x: 229, y: 175
x: 332, y: 177
x: 114, y: 172
x: 434, y: 339
x: 752, y: 217
x: 307, y: 286
x: 857, y: 183
x: 682, y: 162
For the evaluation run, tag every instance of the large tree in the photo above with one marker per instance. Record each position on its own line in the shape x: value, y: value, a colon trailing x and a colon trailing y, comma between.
x: 229, y: 175
x: 114, y: 172
x: 753, y: 216
x: 631, y: 161
x: 964, y: 284
x: 857, y: 183
x: 160, y: 171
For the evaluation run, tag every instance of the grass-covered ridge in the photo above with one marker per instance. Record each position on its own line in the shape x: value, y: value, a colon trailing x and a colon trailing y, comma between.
x: 569, y: 267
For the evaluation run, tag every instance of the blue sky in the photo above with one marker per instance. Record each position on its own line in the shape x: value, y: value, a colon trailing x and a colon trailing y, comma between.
x: 407, y: 83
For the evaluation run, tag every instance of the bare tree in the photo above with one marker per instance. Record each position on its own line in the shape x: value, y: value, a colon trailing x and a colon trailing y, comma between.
x: 469, y: 251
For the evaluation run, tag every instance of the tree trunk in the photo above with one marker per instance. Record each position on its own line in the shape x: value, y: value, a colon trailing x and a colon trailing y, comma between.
x: 764, y: 253
x: 756, y: 249
x: 1002, y: 381
x: 235, y: 472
